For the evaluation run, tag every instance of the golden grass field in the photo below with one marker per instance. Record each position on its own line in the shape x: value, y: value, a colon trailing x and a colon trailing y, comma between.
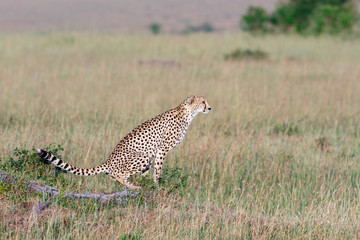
x: 255, y: 167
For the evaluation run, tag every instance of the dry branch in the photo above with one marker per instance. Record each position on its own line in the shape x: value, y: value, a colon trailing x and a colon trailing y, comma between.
x: 33, y: 186
x: 40, y: 207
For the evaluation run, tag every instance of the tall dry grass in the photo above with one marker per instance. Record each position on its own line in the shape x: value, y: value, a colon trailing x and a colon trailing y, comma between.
x: 255, y: 168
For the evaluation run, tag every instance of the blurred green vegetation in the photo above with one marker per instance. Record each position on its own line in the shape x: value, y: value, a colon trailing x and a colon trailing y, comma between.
x: 246, y: 54
x: 304, y: 16
x: 155, y: 28
x: 204, y: 27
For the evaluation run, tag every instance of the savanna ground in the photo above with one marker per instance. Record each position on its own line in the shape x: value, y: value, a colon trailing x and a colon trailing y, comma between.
x: 277, y: 157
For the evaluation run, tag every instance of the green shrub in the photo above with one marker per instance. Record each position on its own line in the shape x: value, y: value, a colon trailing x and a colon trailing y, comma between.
x: 173, y: 180
x: 246, y: 54
x: 304, y: 16
x: 283, y: 17
x: 254, y: 20
x: 155, y: 28
x: 205, y: 27
x: 333, y: 19
x: 26, y: 163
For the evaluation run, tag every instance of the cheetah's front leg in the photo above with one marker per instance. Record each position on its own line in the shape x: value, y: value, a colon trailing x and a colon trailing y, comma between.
x: 159, y: 159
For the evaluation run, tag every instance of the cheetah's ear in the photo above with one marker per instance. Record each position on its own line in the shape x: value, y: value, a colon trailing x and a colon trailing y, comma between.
x: 190, y: 99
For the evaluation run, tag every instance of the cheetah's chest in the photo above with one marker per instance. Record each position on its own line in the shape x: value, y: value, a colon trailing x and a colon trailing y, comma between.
x: 183, y: 127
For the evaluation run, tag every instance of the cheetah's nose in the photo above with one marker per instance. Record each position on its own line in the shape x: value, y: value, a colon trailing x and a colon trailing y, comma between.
x: 209, y: 109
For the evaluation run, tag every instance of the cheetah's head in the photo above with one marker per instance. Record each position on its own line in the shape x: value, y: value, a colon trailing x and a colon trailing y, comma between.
x: 198, y: 104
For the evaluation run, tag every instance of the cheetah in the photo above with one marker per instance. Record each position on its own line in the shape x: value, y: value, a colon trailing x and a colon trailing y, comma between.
x: 149, y: 142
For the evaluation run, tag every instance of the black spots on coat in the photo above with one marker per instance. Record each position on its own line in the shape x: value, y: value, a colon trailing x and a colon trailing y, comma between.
x: 148, y: 142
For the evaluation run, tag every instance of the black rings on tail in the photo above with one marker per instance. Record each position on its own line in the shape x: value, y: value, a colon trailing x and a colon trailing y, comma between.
x: 67, y: 167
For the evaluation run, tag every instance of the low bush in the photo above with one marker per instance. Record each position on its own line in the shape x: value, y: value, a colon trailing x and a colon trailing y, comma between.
x: 25, y: 163
x: 155, y: 28
x: 254, y: 20
x: 205, y: 27
x: 246, y: 54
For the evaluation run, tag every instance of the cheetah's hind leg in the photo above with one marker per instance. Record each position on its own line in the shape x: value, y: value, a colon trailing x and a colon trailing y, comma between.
x: 124, y: 180
x: 145, y: 171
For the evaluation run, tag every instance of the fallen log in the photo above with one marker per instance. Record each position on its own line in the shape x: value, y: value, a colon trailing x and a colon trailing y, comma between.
x: 117, y: 197
x: 41, y: 207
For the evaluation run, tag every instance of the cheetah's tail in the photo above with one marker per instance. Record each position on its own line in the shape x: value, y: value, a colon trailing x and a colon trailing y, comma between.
x: 65, y: 166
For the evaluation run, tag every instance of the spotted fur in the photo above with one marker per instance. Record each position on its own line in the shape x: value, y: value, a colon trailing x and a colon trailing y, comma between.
x: 149, y: 142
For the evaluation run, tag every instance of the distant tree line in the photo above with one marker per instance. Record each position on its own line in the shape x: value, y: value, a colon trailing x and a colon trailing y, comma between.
x: 303, y: 16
